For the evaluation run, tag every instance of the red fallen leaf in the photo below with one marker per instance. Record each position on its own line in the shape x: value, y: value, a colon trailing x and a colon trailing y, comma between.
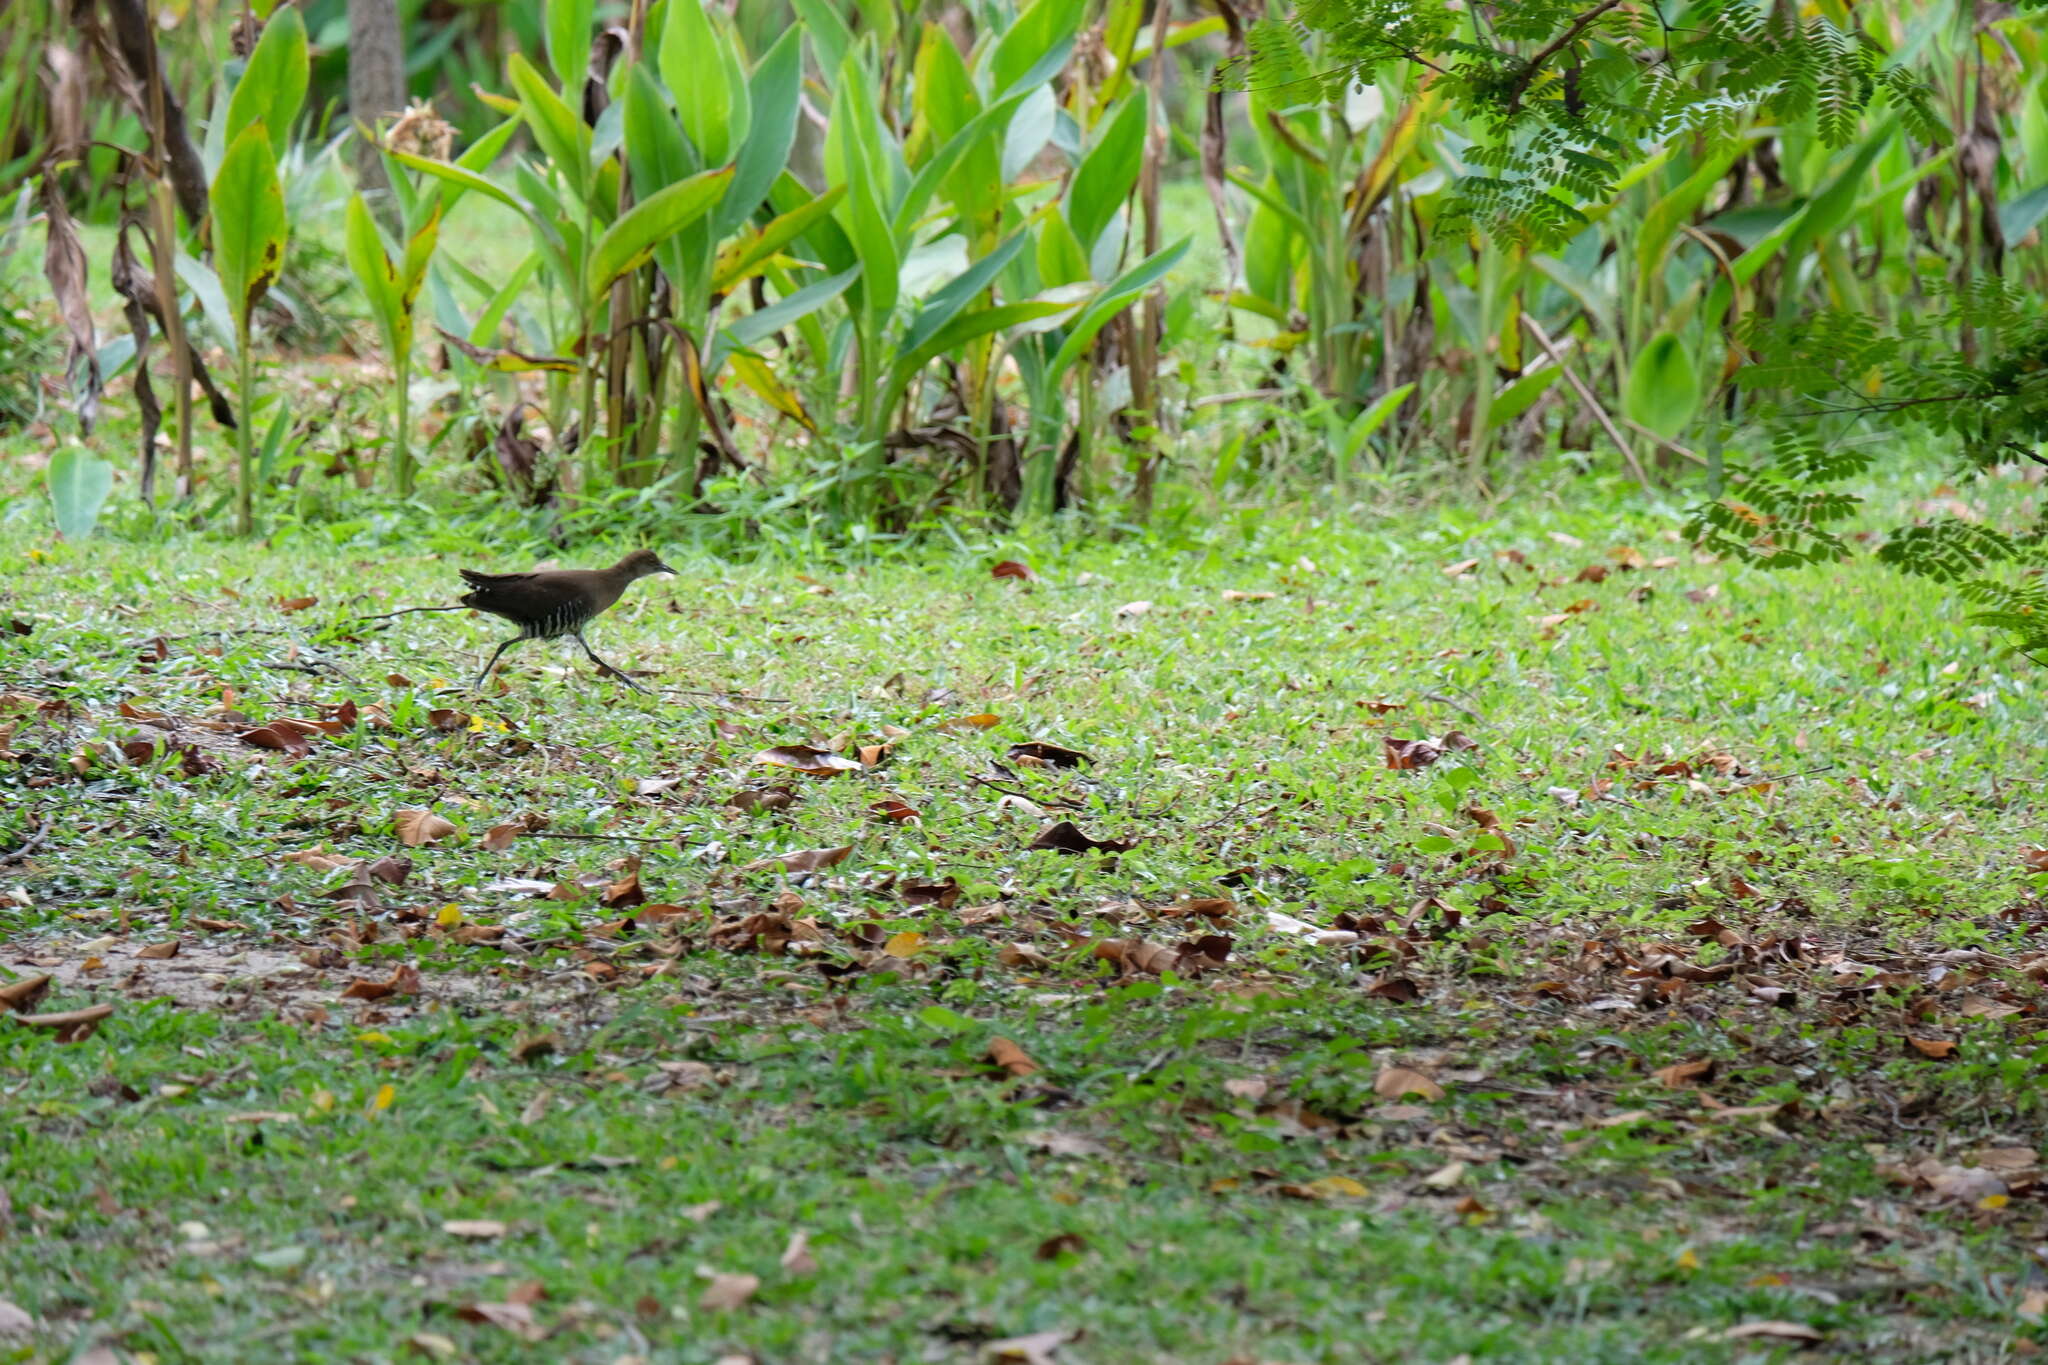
x: 1592, y: 573
x: 281, y: 738
x: 70, y: 1026
x: 804, y: 860
x: 1932, y: 1047
x: 20, y: 995
x: 1679, y: 1075
x: 296, y: 603
x: 1011, y: 1058
x: 405, y: 980
x: 805, y: 759
x: 1065, y: 837
x: 1405, y: 754
x: 1052, y: 755
x: 1011, y: 568
x: 901, y: 812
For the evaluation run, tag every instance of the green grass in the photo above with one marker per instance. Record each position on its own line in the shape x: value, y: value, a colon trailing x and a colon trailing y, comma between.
x: 1877, y: 784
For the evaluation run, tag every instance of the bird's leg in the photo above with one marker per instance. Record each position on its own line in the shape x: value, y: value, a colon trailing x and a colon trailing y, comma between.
x: 604, y: 667
x: 478, y: 684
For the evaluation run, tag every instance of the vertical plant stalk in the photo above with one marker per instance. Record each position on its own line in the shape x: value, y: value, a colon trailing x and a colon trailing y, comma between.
x: 1142, y: 355
x: 1592, y: 403
x: 405, y: 472
x: 245, y: 435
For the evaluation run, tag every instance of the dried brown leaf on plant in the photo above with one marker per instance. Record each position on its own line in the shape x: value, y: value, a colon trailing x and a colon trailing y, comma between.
x: 1065, y: 837
x: 802, y: 860
x: 1011, y: 1058
x: 805, y: 759
x: 417, y: 827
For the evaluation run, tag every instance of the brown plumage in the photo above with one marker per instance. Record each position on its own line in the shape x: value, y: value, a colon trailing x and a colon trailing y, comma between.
x: 551, y: 603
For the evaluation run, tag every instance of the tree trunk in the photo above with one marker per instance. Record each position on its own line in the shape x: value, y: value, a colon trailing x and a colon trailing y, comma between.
x: 376, y: 81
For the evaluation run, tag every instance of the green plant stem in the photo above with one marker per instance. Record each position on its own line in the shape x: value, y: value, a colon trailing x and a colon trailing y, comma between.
x: 245, y: 438
x: 401, y: 423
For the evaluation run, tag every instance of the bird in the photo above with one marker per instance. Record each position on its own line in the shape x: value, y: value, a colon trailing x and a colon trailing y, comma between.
x: 551, y: 603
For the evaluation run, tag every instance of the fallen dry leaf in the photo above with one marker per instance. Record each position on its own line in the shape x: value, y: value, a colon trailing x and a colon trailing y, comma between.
x: 1398, y: 1082
x: 480, y: 1228
x: 1782, y: 1331
x: 1681, y: 1074
x: 1035, y: 1349
x: 1066, y: 837
x: 417, y: 827
x: 405, y: 980
x: 516, y: 1318
x: 1060, y: 1244
x: 19, y: 995
x: 726, y: 1292
x: 157, y: 952
x: 1013, y: 568
x: 804, y: 860
x: 1011, y: 1058
x: 805, y: 759
x: 796, y: 1257
x: 1052, y: 755
x: 70, y: 1026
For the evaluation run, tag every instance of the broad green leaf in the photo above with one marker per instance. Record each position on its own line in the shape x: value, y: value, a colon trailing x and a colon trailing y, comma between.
x: 248, y: 222
x: 464, y: 178
x: 757, y: 326
x: 80, y: 482
x: 273, y: 83
x: 373, y: 270
x: 493, y: 316
x: 980, y: 140
x: 773, y: 95
x: 698, y: 66
x: 1036, y: 46
x: 651, y: 222
x: 1116, y: 296
x: 2018, y: 217
x: 965, y: 328
x: 1373, y: 418
x: 656, y: 149
x: 1516, y: 398
x: 569, y: 24
x: 830, y: 37
x: 1663, y: 387
x: 563, y: 136
x: 752, y: 371
x: 1060, y: 257
x: 955, y: 294
x: 1664, y: 218
x: 1109, y: 171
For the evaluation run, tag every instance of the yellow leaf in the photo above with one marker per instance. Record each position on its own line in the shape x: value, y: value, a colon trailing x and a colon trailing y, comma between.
x: 906, y: 944
x: 1333, y: 1186
x: 1994, y: 1201
x: 1687, y: 1260
x: 323, y: 1101
x: 449, y: 916
x: 373, y: 1036
x: 385, y: 1095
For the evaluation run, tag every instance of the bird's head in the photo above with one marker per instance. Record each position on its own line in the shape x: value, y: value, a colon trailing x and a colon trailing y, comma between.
x: 641, y: 563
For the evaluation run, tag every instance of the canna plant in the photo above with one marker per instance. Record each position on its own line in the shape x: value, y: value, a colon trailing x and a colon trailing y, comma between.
x: 247, y: 217
x: 392, y: 290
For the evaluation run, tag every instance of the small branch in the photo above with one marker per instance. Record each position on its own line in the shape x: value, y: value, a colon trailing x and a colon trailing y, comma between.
x: 1556, y: 45
x: 1592, y: 403
x: 407, y: 611
x: 1217, y: 400
x: 1676, y: 449
x: 28, y: 845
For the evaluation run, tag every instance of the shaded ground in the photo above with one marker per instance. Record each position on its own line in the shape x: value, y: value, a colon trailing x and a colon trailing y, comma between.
x: 1530, y: 943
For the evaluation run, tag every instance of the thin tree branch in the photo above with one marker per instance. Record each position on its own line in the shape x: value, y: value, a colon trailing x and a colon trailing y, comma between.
x: 1592, y: 403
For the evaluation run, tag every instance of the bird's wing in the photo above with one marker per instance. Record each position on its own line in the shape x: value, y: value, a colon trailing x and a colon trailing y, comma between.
x: 518, y: 596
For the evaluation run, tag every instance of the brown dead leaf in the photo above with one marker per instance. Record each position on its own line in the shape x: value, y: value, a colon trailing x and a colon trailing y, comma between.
x: 477, y: 1228
x: 405, y: 980
x: 516, y: 1318
x: 1399, y: 989
x: 157, y: 952
x: 726, y: 1291
x: 1404, y: 754
x: 1135, y: 954
x: 417, y: 827
x: 626, y: 891
x: 1399, y: 1082
x: 1016, y: 955
x: 945, y: 895
x: 498, y: 838
x: 1679, y: 1075
x: 1013, y: 568
x: 22, y: 994
x: 1937, y: 1048
x: 1035, y: 1349
x: 282, y: 738
x: 1011, y: 1058
x: 901, y: 812
x: 70, y: 1026
x: 296, y: 603
x: 1065, y: 837
x: 1061, y: 1244
x: 796, y: 1257
x: 1777, y: 1331
x: 803, y: 860
x: 534, y: 1045
x: 805, y: 759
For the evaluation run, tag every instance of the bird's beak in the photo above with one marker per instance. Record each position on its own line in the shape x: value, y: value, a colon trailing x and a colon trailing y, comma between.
x: 660, y: 567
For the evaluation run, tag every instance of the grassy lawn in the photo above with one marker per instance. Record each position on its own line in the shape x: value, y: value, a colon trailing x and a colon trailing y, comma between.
x: 1679, y: 999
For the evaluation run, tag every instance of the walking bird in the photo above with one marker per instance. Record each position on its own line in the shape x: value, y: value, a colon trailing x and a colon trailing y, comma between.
x: 551, y: 603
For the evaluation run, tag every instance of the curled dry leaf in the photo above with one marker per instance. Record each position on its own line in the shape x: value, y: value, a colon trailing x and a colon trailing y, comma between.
x: 796, y: 1257
x: 1130, y: 609
x: 803, y: 860
x: 1061, y: 1244
x: 1398, y: 989
x: 157, y: 952
x: 1679, y: 1075
x: 902, y: 812
x: 1135, y: 954
x: 22, y: 994
x: 282, y: 738
x: 1406, y: 754
x: 417, y: 827
x: 1013, y: 568
x: 70, y: 1026
x: 1938, y: 1048
x: 726, y: 1291
x: 1023, y: 955
x: 296, y: 603
x: 805, y: 759
x: 626, y: 891
x: 498, y: 838
x: 1065, y: 837
x: 516, y: 1318
x: 945, y: 895
x: 1399, y: 1082
x: 405, y: 980
x: 1011, y: 1058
